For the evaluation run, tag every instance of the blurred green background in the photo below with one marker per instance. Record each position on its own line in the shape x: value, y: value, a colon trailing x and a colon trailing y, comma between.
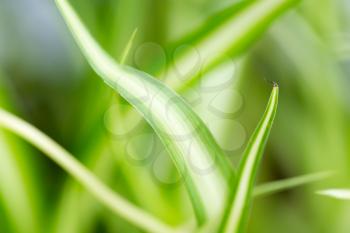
x: 45, y: 80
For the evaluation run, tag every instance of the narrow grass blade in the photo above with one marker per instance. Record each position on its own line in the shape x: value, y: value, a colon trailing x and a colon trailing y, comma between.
x: 72, y: 166
x: 128, y: 47
x: 15, y: 192
x: 342, y: 194
x: 76, y: 211
x: 193, y: 149
x: 282, y: 185
x: 238, y: 206
x: 230, y: 37
x: 19, y: 194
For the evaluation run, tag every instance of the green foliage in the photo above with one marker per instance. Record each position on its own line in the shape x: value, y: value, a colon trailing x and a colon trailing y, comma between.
x: 239, y: 201
x: 59, y: 155
x: 240, y: 25
x: 159, y: 150
x: 169, y: 116
x: 17, y: 180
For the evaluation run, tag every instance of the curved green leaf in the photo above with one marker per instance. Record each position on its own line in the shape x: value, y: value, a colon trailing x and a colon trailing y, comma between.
x: 17, y: 181
x: 239, y: 28
x: 238, y: 205
x: 195, y: 153
x: 72, y: 166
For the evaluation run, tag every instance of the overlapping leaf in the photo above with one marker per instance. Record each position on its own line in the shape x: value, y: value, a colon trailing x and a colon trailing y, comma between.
x: 234, y: 30
x: 192, y: 147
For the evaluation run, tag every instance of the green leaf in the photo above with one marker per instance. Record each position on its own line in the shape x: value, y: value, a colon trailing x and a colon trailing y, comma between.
x: 65, y: 160
x: 282, y: 185
x: 128, y: 47
x: 239, y: 202
x: 18, y: 194
x: 193, y: 149
x: 342, y: 194
x: 15, y: 192
x: 238, y: 28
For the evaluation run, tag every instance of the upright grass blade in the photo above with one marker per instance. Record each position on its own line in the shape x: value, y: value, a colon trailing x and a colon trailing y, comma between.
x: 104, y: 194
x: 342, y: 194
x: 232, y: 36
x: 128, y: 47
x: 195, y: 153
x: 273, y: 187
x: 238, y: 205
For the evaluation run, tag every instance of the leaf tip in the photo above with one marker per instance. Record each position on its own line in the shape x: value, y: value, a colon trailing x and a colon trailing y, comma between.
x: 342, y: 194
x: 275, y: 84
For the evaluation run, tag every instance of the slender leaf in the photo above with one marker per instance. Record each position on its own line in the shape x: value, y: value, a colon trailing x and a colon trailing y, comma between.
x: 343, y: 194
x: 72, y: 166
x: 238, y: 205
x: 76, y: 210
x: 239, y: 25
x: 278, y: 186
x: 190, y: 144
x: 282, y: 185
x: 243, y: 26
x: 128, y: 47
x: 71, y: 201
x: 17, y: 181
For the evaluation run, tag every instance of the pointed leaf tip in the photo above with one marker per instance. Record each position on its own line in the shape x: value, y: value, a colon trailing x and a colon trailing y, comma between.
x: 239, y: 201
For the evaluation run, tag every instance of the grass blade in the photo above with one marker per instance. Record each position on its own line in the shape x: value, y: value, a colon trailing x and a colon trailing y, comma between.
x: 128, y: 47
x: 15, y: 192
x: 18, y: 190
x: 342, y: 194
x: 230, y: 37
x: 72, y: 166
x: 282, y: 185
x: 205, y: 171
x: 238, y: 207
